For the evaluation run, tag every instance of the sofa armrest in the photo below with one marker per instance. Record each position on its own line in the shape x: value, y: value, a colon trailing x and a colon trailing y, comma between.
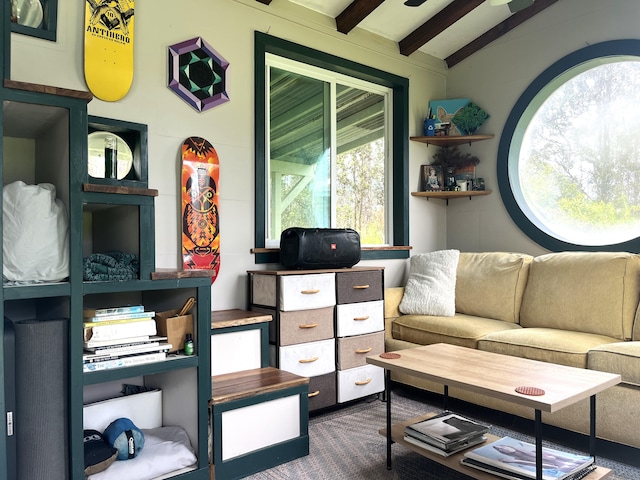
x: 392, y: 299
x: 622, y: 358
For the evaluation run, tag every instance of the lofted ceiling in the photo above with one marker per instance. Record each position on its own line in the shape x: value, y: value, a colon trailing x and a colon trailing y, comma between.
x: 450, y: 30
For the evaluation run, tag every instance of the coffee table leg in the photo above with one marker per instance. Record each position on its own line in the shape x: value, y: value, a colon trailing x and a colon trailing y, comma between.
x: 445, y: 398
x: 538, y: 432
x: 387, y: 389
x: 592, y: 427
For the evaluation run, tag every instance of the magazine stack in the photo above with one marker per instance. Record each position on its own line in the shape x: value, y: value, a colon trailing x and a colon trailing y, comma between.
x: 445, y: 434
x: 120, y: 337
x: 515, y: 459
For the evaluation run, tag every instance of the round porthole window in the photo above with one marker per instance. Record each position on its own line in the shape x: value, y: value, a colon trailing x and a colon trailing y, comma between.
x: 569, y: 156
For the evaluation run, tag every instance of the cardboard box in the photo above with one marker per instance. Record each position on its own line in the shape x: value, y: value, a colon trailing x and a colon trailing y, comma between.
x: 174, y: 328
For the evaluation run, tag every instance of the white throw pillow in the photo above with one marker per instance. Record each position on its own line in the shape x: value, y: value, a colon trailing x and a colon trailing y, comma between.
x: 431, y: 287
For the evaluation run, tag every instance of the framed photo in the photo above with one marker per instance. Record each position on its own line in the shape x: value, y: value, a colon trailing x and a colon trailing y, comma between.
x: 431, y: 178
x: 465, y: 173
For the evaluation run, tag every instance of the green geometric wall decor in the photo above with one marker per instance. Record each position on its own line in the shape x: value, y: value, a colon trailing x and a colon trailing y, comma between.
x: 198, y: 74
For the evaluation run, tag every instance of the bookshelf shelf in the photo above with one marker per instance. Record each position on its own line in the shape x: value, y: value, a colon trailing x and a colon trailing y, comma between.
x: 173, y: 362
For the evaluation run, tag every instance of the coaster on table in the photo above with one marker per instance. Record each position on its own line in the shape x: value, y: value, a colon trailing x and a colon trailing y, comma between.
x: 535, y: 391
x: 389, y: 355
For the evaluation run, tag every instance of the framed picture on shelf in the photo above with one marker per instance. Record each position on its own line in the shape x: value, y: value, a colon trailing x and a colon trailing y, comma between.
x: 445, y: 110
x: 431, y: 178
x: 465, y: 173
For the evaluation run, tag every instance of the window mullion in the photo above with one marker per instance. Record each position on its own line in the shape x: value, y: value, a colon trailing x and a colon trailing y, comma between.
x: 333, y: 149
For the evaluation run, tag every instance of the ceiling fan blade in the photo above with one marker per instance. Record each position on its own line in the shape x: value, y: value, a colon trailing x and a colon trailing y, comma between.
x: 414, y: 3
x: 517, y: 5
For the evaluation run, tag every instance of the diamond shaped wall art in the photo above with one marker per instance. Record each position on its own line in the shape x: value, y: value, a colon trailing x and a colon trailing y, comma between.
x: 198, y: 74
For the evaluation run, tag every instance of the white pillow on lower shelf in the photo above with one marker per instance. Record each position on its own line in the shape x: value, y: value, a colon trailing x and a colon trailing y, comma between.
x: 166, y: 450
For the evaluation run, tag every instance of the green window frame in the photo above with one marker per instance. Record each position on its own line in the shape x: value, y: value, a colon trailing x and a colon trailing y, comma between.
x: 524, y: 213
x: 266, y: 44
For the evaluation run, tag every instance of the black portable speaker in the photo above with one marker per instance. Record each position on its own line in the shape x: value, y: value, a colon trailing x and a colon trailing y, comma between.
x: 310, y: 248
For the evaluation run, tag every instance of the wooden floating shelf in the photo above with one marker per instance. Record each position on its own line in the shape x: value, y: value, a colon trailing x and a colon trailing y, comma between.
x: 449, y: 195
x: 451, y: 141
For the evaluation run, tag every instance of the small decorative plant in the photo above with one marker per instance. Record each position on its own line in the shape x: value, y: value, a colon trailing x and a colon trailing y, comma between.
x: 452, y: 157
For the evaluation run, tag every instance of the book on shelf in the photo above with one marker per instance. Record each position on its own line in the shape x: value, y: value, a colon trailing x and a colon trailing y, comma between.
x: 446, y: 453
x: 107, y: 321
x: 126, y: 351
x: 101, y: 312
x: 120, y: 330
x: 517, y: 456
x: 445, y: 430
x: 153, y: 341
x: 129, y: 361
x: 120, y: 316
x: 87, y: 345
x: 469, y: 462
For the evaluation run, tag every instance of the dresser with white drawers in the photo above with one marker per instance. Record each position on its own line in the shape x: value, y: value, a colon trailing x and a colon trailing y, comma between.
x: 326, y: 322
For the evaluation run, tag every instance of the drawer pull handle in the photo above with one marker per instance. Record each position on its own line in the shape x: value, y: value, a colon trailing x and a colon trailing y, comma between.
x: 360, y: 319
x: 313, y: 394
x: 364, y: 382
x: 308, y: 360
x: 363, y: 350
x: 360, y: 287
x: 308, y: 325
x: 310, y: 292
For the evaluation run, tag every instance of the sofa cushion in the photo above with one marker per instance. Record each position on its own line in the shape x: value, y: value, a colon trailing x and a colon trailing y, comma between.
x: 491, y: 284
x: 545, y: 344
x: 462, y: 330
x: 431, y: 286
x: 622, y: 358
x: 591, y: 292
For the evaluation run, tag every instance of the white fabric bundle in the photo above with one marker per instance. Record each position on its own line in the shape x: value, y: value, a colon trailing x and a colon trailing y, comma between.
x: 35, y: 233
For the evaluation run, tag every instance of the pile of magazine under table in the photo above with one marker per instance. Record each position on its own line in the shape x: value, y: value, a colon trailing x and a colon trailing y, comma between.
x: 448, y: 433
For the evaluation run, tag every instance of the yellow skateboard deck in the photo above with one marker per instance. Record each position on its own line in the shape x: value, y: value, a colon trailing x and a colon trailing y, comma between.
x: 108, y: 48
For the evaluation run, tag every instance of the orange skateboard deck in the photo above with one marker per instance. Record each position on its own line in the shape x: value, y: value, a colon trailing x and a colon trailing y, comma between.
x: 108, y: 48
x: 200, y: 218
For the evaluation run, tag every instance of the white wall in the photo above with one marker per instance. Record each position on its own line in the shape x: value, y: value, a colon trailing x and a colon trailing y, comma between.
x: 228, y: 26
x: 496, y: 76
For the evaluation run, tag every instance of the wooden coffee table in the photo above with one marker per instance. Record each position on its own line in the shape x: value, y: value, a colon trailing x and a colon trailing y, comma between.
x: 497, y: 376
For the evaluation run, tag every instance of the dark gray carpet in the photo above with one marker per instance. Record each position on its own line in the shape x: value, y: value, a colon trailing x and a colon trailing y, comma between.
x: 345, y: 444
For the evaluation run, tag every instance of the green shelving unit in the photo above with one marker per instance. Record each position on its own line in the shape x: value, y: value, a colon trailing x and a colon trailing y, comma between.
x: 103, y: 215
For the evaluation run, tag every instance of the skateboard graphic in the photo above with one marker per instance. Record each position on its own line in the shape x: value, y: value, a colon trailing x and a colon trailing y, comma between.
x: 108, y: 48
x: 200, y: 216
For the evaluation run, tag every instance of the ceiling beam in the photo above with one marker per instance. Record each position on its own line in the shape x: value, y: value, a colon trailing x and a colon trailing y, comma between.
x: 436, y: 25
x: 496, y: 32
x: 355, y: 13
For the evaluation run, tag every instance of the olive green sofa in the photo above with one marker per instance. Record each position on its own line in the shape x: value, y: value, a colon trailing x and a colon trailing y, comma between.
x: 572, y: 308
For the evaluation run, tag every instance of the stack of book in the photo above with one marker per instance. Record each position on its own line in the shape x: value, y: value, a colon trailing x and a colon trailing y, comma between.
x: 515, y: 459
x: 121, y: 337
x: 445, y: 434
